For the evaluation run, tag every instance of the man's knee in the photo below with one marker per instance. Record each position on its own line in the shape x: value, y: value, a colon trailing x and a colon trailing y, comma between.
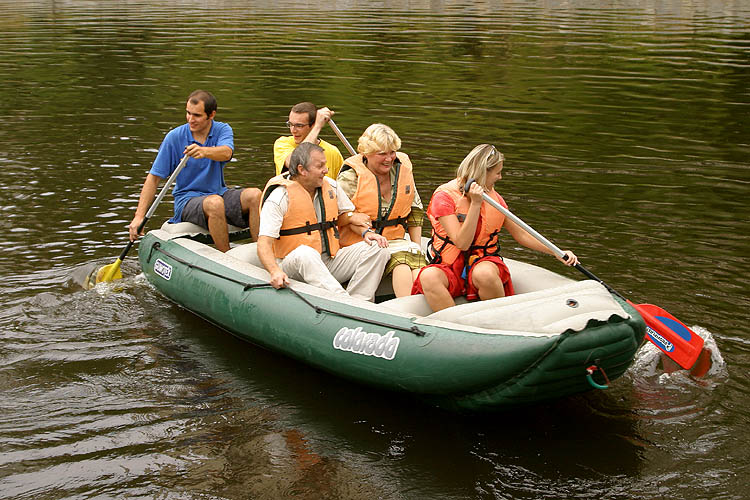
x: 213, y: 206
x: 385, y: 255
x: 250, y: 199
x: 374, y: 251
x: 304, y: 252
x: 304, y: 263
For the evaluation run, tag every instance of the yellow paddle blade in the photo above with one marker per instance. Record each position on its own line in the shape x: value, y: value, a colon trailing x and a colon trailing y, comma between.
x: 110, y: 272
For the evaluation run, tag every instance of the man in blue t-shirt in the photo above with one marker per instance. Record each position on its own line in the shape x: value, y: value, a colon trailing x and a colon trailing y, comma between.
x: 200, y: 195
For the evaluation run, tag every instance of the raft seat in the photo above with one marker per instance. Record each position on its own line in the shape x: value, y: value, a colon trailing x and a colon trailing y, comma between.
x: 247, y: 252
x: 550, y: 311
x: 414, y: 304
x: 195, y: 232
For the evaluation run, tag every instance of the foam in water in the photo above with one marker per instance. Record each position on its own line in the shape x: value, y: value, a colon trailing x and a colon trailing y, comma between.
x: 649, y: 361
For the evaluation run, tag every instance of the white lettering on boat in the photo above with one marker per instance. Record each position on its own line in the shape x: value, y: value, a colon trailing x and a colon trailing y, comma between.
x: 163, y: 269
x: 370, y: 344
x: 660, y: 341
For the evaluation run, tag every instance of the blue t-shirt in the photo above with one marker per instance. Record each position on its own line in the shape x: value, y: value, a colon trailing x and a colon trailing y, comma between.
x: 200, y: 177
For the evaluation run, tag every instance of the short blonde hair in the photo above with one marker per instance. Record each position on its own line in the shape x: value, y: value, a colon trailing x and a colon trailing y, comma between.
x: 477, y: 163
x: 376, y: 138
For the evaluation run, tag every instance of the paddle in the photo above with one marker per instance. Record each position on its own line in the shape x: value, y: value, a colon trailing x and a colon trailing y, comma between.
x: 665, y: 331
x: 342, y: 138
x: 112, y: 271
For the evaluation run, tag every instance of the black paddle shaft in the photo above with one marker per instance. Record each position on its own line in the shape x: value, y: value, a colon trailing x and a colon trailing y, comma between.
x: 127, y: 248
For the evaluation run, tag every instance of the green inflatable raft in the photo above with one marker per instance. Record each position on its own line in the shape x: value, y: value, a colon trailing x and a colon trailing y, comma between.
x: 554, y: 338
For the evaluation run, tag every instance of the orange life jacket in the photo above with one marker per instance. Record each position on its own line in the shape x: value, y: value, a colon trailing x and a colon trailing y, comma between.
x: 300, y: 225
x: 441, y: 250
x: 366, y: 198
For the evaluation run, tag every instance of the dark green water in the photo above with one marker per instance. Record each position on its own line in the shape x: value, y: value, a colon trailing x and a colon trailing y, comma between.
x: 626, y: 128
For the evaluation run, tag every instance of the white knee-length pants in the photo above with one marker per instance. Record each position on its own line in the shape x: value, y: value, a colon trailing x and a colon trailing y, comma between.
x: 361, y: 264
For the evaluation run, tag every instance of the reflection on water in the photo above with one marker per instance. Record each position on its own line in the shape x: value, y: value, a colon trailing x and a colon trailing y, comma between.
x: 625, y: 133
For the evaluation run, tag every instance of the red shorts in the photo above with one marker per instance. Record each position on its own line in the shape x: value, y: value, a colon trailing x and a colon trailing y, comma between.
x: 458, y: 286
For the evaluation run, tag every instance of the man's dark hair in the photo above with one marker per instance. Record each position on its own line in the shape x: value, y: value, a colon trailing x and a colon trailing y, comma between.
x: 301, y: 157
x: 208, y: 100
x: 306, y: 107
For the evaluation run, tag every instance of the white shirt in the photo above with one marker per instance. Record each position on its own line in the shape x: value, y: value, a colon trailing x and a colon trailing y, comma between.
x: 276, y: 205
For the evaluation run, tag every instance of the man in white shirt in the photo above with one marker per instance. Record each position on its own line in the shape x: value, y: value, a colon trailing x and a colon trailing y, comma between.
x: 290, y: 246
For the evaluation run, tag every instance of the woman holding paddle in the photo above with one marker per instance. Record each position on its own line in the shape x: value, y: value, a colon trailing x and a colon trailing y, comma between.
x: 464, y: 252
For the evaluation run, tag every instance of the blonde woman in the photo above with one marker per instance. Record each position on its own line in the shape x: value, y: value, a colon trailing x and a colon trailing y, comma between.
x: 380, y: 183
x: 464, y: 251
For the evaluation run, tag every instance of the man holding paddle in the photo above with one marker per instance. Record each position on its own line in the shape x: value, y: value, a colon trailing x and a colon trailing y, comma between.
x: 200, y: 194
x: 305, y: 123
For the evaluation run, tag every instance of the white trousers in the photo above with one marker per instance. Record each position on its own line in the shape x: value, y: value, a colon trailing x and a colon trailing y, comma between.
x: 360, y: 264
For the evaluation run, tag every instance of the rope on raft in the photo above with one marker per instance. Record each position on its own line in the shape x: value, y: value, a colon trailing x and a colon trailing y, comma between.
x: 590, y: 371
x: 247, y: 286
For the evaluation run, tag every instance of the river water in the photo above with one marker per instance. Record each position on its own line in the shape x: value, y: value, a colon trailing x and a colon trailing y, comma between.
x: 626, y: 128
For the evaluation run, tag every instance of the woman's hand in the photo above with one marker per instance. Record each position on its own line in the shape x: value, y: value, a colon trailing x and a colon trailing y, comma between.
x: 569, y: 259
x: 475, y: 193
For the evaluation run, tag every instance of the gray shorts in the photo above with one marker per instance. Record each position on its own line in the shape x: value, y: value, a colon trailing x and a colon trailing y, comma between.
x: 193, y: 210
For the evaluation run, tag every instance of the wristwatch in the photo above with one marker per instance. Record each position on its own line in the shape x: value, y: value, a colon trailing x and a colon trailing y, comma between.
x: 350, y: 214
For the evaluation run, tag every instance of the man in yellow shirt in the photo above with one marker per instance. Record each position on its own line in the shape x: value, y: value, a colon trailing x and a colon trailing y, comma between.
x: 305, y: 123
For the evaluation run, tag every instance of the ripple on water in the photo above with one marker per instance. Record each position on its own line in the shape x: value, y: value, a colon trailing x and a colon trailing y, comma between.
x: 625, y: 131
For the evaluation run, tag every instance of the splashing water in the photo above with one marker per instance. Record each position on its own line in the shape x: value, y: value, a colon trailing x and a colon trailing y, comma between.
x: 649, y: 362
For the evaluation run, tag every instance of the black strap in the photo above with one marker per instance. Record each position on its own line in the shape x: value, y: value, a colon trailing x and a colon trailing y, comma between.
x: 382, y: 220
x: 493, y: 241
x: 378, y: 224
x: 434, y: 255
x: 308, y: 228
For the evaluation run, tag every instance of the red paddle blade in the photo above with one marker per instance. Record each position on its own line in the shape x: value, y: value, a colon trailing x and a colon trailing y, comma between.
x: 670, y: 335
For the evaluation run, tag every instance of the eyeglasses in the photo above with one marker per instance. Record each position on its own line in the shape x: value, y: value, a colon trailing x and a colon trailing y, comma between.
x: 297, y: 125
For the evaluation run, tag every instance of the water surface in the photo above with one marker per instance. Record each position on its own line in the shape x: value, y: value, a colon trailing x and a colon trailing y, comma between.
x: 625, y: 128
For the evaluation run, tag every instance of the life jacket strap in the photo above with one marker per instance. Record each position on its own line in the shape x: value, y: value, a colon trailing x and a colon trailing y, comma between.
x: 379, y: 224
x: 309, y: 228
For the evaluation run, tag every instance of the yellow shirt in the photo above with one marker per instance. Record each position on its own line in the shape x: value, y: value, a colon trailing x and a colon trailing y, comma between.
x: 284, y: 146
